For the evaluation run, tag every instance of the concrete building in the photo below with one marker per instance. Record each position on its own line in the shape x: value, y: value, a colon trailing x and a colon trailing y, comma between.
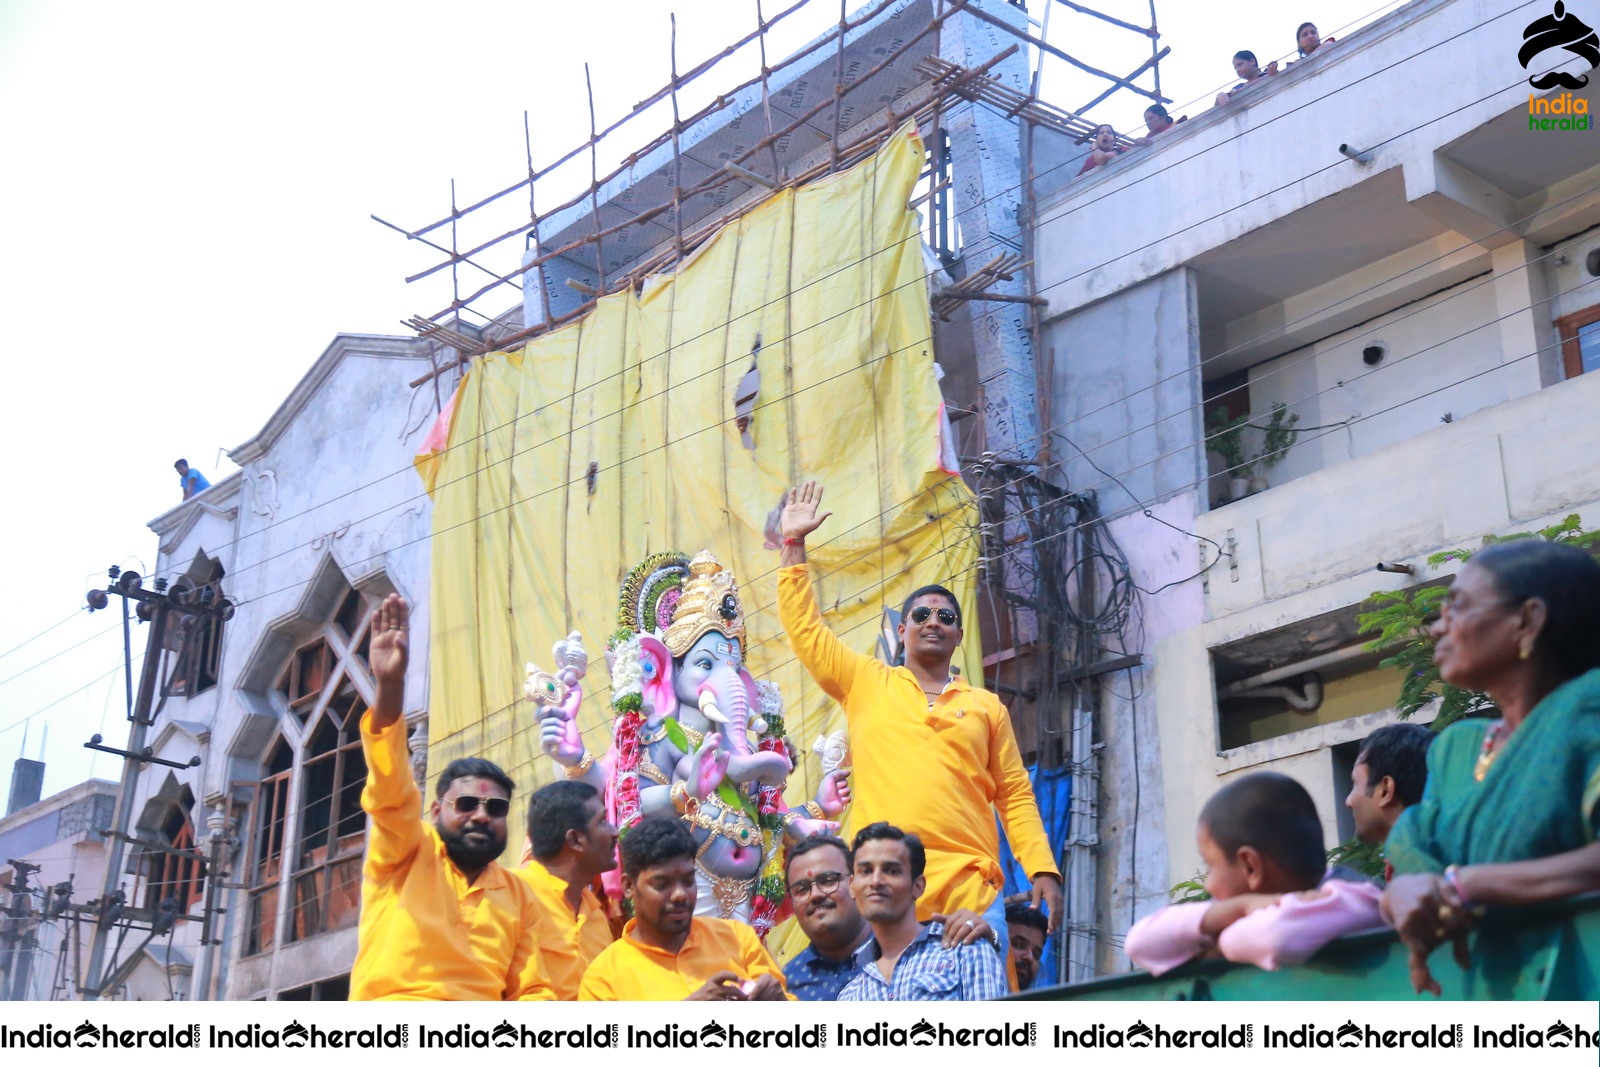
x: 1425, y: 304
x: 1383, y: 240
x: 55, y: 840
x: 327, y: 516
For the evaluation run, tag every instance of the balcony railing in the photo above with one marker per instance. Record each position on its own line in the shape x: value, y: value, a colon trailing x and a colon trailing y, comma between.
x: 1549, y: 954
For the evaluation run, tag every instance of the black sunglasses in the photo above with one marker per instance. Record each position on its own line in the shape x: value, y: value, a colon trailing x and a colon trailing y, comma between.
x: 919, y: 615
x: 497, y: 807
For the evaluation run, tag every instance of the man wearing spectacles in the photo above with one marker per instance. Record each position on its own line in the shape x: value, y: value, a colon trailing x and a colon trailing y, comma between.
x: 819, y: 886
x: 931, y: 753
x: 440, y: 919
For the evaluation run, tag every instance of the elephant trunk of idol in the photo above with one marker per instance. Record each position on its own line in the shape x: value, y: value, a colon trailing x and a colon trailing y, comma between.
x: 725, y: 699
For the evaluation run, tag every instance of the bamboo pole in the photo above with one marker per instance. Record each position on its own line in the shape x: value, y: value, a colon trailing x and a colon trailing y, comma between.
x: 719, y: 176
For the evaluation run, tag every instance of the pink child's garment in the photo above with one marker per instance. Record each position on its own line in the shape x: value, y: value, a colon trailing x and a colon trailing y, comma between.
x: 1282, y: 935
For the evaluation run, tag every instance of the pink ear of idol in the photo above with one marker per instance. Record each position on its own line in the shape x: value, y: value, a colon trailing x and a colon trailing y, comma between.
x: 656, y: 685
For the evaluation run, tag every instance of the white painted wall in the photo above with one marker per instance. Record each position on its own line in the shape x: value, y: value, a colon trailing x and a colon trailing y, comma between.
x: 1463, y: 304
x: 1442, y: 356
x: 1410, y: 82
x: 1309, y: 547
x: 330, y: 478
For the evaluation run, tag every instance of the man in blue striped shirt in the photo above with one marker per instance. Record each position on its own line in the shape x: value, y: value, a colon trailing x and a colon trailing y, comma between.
x: 906, y: 960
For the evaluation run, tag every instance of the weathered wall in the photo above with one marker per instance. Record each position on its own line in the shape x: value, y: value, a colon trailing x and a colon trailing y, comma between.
x: 1126, y: 393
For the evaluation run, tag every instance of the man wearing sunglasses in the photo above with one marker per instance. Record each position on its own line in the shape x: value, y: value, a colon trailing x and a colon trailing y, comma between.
x: 932, y: 754
x: 440, y: 919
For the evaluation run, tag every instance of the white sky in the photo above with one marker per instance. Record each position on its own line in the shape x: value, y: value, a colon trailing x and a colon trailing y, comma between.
x: 186, y: 197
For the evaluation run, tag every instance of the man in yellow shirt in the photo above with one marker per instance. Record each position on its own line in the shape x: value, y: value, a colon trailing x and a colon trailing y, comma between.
x: 440, y: 919
x: 932, y: 754
x: 666, y: 952
x: 573, y: 844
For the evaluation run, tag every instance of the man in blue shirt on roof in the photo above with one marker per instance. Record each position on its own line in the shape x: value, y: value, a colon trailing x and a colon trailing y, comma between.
x: 192, y: 481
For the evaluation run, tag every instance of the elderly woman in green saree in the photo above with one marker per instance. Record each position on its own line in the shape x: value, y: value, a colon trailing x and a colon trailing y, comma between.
x: 1512, y: 807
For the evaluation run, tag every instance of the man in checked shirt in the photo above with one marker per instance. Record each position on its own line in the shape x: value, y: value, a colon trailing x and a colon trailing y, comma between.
x: 906, y: 959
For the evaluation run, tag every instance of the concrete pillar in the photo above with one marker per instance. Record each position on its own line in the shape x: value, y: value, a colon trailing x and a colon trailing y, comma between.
x: 986, y: 160
x: 1522, y: 306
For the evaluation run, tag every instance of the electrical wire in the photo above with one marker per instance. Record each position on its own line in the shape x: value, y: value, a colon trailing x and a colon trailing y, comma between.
x: 41, y: 633
x: 1004, y: 191
x: 1101, y: 471
x: 62, y: 652
x: 323, y: 503
x: 40, y: 711
x: 667, y: 353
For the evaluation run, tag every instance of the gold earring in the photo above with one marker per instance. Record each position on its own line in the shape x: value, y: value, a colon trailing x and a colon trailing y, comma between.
x: 1525, y: 652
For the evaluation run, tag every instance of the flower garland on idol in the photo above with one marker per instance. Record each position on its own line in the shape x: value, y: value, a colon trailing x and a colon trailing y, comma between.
x: 647, y: 604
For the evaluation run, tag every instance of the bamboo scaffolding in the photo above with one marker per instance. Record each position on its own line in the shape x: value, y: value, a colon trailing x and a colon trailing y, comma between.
x: 975, y: 286
x: 1148, y: 31
x: 661, y: 94
x: 1046, y: 46
x: 844, y: 145
x: 1153, y: 61
x: 719, y: 176
x: 860, y: 146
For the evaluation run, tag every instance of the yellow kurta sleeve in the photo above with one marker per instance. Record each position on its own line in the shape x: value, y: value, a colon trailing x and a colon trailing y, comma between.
x: 598, y: 981
x: 1018, y: 807
x: 526, y: 977
x: 755, y: 960
x: 392, y: 799
x: 815, y: 646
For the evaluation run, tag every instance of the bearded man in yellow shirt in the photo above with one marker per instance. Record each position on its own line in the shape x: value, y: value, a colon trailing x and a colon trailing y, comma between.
x: 440, y: 919
x: 666, y: 952
x: 573, y: 844
x: 932, y: 754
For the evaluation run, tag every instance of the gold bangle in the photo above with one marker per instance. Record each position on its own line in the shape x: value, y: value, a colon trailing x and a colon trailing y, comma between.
x: 813, y: 809
x: 579, y: 769
x: 685, y: 804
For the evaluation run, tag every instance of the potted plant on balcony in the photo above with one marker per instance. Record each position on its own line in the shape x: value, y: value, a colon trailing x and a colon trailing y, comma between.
x: 1277, y: 437
x: 1225, y: 437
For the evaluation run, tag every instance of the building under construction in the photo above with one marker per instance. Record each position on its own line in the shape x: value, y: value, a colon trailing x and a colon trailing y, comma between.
x: 1062, y: 429
x: 235, y: 848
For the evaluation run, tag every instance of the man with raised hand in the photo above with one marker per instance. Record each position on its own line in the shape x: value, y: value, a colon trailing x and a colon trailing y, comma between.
x: 440, y: 919
x: 932, y: 754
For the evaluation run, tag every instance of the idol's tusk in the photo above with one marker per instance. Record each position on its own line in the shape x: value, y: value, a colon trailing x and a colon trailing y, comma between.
x: 708, y: 708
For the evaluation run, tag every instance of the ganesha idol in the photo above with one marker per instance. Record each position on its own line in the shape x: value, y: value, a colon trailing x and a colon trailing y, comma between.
x: 694, y: 736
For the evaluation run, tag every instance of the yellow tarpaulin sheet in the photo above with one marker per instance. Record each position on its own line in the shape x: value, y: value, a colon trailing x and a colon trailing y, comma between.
x: 527, y: 546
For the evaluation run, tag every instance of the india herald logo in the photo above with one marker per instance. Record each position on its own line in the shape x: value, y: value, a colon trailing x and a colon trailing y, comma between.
x: 1559, y: 30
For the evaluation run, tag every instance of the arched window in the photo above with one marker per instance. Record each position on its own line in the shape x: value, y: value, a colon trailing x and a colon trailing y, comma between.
x: 174, y: 868
x: 309, y: 825
x: 333, y: 828
x: 270, y: 818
